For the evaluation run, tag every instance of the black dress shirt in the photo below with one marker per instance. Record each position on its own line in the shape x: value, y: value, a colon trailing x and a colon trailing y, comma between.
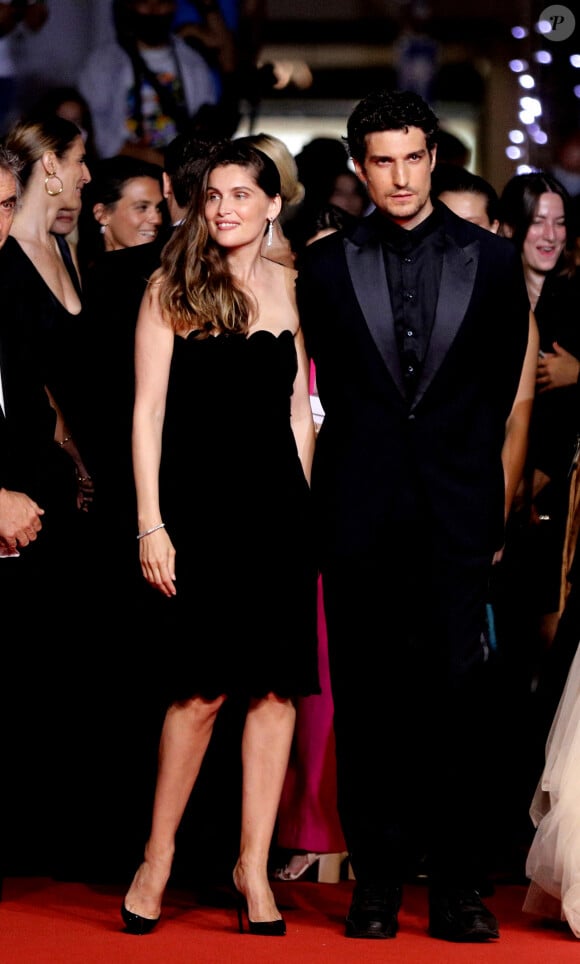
x: 413, y: 263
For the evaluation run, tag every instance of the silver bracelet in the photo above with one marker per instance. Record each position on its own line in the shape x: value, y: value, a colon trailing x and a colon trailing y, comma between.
x: 149, y: 531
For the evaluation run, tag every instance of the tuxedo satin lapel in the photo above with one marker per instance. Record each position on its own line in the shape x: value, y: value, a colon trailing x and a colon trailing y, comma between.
x: 368, y: 275
x: 457, y: 280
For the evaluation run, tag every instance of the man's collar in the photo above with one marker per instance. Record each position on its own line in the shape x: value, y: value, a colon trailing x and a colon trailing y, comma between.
x: 407, y: 238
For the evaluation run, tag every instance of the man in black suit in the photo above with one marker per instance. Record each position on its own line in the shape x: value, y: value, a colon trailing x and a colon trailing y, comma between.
x: 417, y: 322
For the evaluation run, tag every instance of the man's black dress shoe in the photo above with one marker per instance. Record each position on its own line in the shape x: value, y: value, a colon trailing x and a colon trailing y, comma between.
x: 373, y: 911
x: 458, y: 914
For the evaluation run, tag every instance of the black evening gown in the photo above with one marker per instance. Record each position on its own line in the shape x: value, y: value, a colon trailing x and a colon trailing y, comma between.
x: 238, y: 510
x: 45, y: 649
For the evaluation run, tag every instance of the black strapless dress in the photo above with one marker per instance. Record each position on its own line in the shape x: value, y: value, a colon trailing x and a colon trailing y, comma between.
x: 238, y: 510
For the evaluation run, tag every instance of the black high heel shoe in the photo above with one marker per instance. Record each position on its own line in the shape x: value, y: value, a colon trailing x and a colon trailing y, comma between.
x: 135, y: 924
x: 264, y: 928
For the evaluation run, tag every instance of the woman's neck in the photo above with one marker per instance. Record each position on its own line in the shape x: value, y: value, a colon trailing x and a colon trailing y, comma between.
x: 534, y: 284
x: 32, y: 223
x: 245, y: 263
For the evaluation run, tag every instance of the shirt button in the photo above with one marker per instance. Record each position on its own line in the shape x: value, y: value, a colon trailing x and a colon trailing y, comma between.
x: 410, y: 333
x: 410, y: 369
x: 409, y: 295
x: 407, y: 261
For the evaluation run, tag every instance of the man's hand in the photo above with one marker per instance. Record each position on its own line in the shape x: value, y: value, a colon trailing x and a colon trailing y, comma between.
x: 19, y: 519
x: 557, y: 369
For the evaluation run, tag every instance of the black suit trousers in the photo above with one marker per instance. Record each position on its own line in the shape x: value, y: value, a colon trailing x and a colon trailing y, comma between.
x: 414, y: 742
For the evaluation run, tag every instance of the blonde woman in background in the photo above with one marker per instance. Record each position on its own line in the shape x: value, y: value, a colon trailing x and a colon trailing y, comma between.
x: 277, y: 247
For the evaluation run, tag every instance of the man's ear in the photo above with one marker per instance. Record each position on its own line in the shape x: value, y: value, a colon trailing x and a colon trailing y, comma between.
x: 167, y: 189
x: 360, y: 172
x: 433, y: 153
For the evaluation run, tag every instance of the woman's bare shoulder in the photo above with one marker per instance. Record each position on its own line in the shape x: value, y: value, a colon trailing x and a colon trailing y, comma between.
x: 288, y: 276
x: 291, y: 273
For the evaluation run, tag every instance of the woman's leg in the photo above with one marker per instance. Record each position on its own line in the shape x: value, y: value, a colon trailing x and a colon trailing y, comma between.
x: 265, y: 750
x: 185, y: 736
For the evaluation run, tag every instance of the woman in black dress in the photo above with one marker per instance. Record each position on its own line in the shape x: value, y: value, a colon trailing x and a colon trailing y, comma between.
x: 40, y: 591
x: 222, y: 445
x: 527, y: 584
x: 41, y: 293
x: 534, y: 211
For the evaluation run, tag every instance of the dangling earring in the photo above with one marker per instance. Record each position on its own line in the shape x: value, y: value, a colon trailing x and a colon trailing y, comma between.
x: 51, y: 177
x: 103, y: 228
x: 270, y: 238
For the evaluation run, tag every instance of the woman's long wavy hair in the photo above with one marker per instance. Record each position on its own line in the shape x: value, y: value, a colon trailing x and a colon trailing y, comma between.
x: 197, y: 288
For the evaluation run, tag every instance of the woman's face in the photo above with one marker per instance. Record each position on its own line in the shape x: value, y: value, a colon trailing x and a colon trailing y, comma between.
x: 236, y: 208
x: 135, y: 218
x: 72, y: 170
x: 546, y: 237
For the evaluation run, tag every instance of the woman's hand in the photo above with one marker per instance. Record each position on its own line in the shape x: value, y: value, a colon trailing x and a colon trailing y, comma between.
x: 157, y: 558
x: 557, y: 369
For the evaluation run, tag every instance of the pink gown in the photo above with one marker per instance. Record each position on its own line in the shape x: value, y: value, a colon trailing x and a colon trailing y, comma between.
x: 308, y: 818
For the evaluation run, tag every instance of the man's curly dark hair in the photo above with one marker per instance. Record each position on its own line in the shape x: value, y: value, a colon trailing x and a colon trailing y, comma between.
x: 388, y: 110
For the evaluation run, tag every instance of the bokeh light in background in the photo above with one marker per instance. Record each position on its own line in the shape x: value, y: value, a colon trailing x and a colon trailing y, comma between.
x: 539, y: 64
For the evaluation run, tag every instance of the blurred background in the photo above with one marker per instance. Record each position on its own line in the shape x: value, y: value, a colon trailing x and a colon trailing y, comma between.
x: 502, y: 75
x: 508, y: 90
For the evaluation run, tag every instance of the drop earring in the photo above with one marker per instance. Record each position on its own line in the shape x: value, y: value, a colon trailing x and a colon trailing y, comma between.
x: 270, y: 238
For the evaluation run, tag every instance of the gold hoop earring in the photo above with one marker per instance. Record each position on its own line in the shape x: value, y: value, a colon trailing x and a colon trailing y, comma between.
x: 50, y: 177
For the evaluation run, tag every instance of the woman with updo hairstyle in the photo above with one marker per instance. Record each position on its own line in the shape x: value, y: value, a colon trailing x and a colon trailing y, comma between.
x: 223, y: 440
x: 291, y: 188
x: 41, y: 307
x: 291, y: 191
x: 41, y: 285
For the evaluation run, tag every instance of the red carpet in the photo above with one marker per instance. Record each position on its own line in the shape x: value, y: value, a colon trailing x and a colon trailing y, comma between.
x: 48, y: 922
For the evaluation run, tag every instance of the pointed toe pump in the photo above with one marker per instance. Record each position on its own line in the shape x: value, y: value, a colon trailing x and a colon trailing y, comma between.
x: 135, y: 924
x: 263, y: 928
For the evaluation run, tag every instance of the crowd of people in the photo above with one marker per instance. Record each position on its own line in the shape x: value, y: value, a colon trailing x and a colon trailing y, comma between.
x: 309, y: 427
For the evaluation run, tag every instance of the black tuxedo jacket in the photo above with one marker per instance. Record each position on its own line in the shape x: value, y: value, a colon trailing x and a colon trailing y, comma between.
x: 437, y: 458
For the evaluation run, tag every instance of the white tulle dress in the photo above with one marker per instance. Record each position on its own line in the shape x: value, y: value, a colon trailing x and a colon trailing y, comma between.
x: 553, y: 862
